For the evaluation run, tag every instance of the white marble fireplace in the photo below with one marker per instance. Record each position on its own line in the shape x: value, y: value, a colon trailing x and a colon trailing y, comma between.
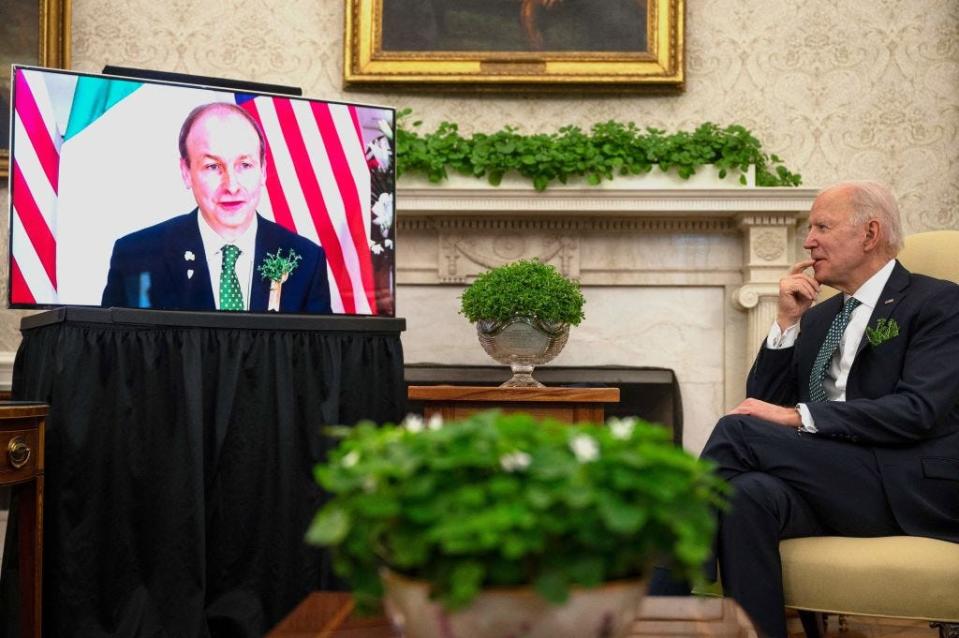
x: 676, y: 275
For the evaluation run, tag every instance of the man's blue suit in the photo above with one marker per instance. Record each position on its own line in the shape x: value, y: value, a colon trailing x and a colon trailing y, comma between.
x: 884, y: 462
x: 150, y: 268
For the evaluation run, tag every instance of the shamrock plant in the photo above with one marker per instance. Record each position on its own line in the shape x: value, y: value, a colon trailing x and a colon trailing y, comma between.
x: 882, y: 331
x: 525, y: 288
x: 277, y: 267
x: 508, y: 499
x: 607, y: 150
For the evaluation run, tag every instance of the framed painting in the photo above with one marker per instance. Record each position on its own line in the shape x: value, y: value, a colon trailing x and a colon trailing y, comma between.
x: 33, y: 32
x: 515, y: 44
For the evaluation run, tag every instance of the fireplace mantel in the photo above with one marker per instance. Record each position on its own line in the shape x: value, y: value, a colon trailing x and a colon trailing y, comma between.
x: 707, y: 203
x: 681, y: 277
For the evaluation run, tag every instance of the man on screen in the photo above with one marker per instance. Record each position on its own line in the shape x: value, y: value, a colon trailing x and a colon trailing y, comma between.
x: 208, y: 259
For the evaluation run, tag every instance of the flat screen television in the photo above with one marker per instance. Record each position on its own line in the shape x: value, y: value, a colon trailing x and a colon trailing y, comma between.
x: 166, y: 195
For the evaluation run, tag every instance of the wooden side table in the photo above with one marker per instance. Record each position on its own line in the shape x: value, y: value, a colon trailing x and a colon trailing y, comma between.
x: 566, y: 404
x: 21, y: 468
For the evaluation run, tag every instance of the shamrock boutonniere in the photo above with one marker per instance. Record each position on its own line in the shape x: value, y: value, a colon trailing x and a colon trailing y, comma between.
x: 884, y: 330
x: 277, y: 269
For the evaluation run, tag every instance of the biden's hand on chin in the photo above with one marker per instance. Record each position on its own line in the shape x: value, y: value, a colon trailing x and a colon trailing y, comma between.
x: 778, y: 414
x: 797, y: 292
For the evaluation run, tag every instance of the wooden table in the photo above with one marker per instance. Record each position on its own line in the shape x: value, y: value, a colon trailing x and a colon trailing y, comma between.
x: 21, y: 467
x: 330, y: 615
x: 566, y: 404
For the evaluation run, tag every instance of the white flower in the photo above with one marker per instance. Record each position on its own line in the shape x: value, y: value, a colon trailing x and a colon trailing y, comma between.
x: 380, y: 150
x: 622, y: 428
x: 189, y: 256
x: 383, y: 212
x: 384, y: 126
x: 350, y: 459
x: 515, y: 461
x: 413, y: 423
x: 584, y: 447
x: 435, y: 422
x: 375, y: 248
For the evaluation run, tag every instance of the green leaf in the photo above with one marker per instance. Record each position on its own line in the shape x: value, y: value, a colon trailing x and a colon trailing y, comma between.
x: 539, y: 497
x: 514, y: 546
x: 329, y: 526
x: 621, y: 517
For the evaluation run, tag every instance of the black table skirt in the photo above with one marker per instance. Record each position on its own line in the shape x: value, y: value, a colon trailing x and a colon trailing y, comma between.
x: 180, y: 449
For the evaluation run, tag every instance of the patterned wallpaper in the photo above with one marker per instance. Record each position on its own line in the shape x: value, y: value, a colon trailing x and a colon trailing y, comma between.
x: 854, y: 89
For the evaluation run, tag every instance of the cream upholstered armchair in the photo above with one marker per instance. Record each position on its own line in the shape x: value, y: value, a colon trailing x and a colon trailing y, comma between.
x: 898, y: 576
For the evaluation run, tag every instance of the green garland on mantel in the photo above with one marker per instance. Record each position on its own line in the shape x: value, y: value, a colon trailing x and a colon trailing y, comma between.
x: 609, y: 149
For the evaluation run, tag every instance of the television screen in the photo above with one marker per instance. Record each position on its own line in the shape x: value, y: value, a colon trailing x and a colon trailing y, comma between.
x: 166, y: 195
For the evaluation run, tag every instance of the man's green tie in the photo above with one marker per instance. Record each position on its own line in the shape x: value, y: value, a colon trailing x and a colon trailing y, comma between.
x: 231, y: 297
x: 829, y: 345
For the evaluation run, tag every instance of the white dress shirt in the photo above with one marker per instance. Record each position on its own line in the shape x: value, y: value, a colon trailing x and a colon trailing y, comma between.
x: 212, y: 247
x: 837, y: 373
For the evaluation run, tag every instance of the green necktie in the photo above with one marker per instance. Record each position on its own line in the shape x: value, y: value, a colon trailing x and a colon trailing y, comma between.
x: 231, y: 297
x: 829, y: 345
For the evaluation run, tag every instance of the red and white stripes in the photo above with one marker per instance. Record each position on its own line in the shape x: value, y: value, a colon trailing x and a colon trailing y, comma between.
x: 34, y: 169
x: 318, y: 185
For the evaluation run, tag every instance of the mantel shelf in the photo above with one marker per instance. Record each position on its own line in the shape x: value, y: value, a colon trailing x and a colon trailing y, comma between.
x: 696, y: 202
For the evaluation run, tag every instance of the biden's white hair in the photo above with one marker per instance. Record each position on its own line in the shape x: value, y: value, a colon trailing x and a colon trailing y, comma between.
x: 874, y: 200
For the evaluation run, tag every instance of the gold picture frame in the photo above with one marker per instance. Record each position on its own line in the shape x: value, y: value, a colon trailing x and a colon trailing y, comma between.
x: 513, y: 56
x: 47, y: 45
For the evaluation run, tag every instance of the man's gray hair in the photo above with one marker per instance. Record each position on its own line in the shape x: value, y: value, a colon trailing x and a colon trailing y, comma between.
x: 874, y: 200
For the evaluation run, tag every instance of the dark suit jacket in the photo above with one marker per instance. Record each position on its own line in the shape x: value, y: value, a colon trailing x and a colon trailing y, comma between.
x: 149, y: 269
x: 902, y: 397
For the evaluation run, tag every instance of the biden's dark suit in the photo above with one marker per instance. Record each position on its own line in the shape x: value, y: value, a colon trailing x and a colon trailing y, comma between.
x: 884, y: 462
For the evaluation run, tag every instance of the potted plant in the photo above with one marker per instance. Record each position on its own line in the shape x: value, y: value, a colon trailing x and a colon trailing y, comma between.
x: 606, y: 151
x: 500, y: 524
x: 522, y: 312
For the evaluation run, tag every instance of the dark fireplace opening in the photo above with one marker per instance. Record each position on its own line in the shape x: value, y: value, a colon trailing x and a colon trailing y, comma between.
x: 648, y: 393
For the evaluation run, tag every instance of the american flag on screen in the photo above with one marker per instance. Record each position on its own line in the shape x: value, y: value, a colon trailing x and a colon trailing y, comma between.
x: 318, y: 182
x: 322, y: 196
x: 34, y: 177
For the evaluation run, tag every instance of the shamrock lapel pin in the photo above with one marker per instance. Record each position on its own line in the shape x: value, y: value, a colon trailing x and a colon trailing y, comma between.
x: 189, y: 256
x: 882, y: 331
x: 277, y: 269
